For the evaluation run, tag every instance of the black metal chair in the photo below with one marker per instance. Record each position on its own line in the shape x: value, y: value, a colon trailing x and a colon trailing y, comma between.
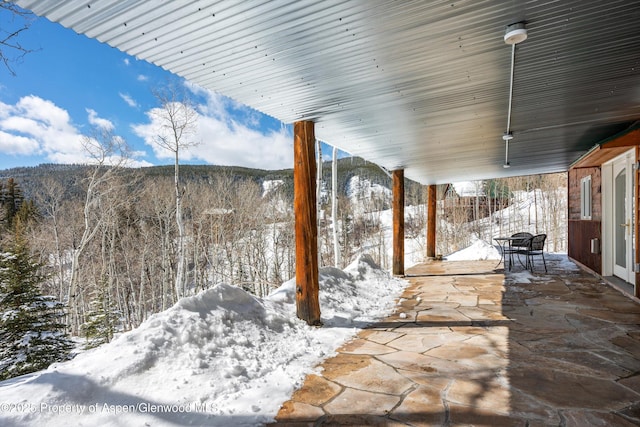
x: 536, y: 248
x: 519, y: 242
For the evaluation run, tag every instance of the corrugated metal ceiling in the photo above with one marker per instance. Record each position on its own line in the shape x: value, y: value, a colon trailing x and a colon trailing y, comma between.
x: 421, y: 85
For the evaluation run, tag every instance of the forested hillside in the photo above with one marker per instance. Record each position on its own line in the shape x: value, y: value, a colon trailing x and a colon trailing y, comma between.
x: 31, y: 179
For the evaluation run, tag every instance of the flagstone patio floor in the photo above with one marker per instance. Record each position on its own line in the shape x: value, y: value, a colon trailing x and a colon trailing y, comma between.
x: 469, y: 345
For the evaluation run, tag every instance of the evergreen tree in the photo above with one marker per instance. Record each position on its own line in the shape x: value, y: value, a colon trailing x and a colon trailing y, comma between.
x: 497, y: 189
x: 27, y: 213
x: 103, y: 319
x: 31, y: 329
x: 11, y: 199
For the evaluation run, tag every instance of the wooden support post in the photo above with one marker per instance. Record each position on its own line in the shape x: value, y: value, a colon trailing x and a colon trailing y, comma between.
x: 306, y: 226
x: 398, y: 222
x: 431, y: 221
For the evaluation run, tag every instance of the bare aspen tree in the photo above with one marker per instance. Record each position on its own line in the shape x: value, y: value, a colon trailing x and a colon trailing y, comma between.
x: 178, y: 120
x: 161, y: 232
x: 334, y: 208
x: 225, y: 230
x: 557, y: 194
x: 283, y: 263
x: 201, y: 203
x: 50, y: 198
x: 347, y: 221
x: 107, y: 153
x: 319, y: 211
x: 119, y: 249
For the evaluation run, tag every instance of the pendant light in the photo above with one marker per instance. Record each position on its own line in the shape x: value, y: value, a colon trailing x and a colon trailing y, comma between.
x: 514, y: 34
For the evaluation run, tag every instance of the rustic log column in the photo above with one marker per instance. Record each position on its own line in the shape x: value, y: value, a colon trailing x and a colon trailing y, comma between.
x: 398, y: 222
x: 306, y: 226
x: 431, y: 221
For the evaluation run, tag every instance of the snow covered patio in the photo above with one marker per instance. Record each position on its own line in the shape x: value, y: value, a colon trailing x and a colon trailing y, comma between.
x: 469, y: 345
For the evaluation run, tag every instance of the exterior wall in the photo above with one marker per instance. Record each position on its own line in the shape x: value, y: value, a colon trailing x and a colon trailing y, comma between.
x: 575, y: 175
x: 580, y: 235
x: 581, y: 232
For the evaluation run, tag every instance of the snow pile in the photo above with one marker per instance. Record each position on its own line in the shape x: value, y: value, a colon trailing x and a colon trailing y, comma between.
x: 222, y: 357
x: 562, y: 262
x: 479, y: 250
x: 523, y: 276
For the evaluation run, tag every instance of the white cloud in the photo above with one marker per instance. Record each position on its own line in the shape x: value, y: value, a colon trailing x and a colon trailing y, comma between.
x: 220, y: 106
x: 236, y: 144
x: 98, y: 121
x: 38, y: 109
x: 37, y: 127
x: 138, y: 164
x: 227, y: 133
x: 17, y: 144
x: 227, y: 136
x: 135, y: 162
x: 129, y: 100
x: 142, y: 78
x: 126, y: 61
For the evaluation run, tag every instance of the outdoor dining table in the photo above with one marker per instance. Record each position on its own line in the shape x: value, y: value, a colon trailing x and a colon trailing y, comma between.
x: 503, y: 242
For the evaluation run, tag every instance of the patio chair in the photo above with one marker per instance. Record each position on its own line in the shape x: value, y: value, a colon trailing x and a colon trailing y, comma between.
x: 536, y: 248
x: 519, y: 244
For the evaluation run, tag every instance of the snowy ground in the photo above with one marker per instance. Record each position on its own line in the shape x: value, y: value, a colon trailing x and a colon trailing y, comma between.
x: 479, y: 250
x: 220, y: 358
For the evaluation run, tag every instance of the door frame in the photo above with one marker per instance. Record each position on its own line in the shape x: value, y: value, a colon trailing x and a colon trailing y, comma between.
x: 608, y: 219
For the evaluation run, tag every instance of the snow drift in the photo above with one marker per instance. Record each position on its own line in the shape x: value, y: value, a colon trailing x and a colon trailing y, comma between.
x: 478, y: 251
x: 222, y: 357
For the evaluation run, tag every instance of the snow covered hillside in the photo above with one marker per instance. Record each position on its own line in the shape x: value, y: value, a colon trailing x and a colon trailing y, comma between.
x: 222, y: 357
x: 359, y: 189
x: 533, y: 211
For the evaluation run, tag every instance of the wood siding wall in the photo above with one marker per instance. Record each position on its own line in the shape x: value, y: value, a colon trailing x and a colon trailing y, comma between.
x: 580, y: 232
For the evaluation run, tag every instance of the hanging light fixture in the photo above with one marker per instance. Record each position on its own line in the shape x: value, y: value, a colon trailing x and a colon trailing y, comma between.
x: 514, y: 34
x: 506, y: 138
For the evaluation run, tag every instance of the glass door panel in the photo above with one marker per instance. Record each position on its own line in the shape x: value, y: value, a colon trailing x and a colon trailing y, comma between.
x: 620, y: 215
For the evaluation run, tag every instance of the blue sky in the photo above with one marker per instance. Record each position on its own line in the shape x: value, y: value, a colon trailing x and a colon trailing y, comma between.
x: 71, y: 85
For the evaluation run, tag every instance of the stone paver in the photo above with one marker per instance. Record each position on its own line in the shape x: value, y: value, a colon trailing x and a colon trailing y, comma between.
x: 468, y: 345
